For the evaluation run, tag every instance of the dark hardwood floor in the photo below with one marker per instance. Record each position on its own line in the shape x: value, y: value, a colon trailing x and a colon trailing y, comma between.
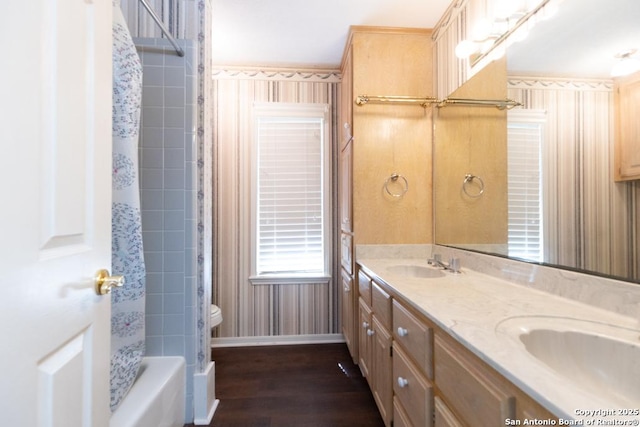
x: 295, y: 385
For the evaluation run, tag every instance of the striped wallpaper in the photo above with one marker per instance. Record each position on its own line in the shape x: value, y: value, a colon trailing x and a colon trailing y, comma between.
x: 260, y: 310
x: 591, y: 221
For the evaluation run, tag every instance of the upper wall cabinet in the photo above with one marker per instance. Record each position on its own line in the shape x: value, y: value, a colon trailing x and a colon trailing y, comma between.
x: 627, y: 141
x: 378, y: 141
x: 389, y: 139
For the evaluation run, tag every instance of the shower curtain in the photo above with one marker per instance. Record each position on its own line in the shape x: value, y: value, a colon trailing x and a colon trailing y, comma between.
x: 127, y: 303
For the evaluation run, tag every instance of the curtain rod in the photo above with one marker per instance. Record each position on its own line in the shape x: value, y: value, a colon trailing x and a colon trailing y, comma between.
x: 164, y: 29
x: 498, y: 103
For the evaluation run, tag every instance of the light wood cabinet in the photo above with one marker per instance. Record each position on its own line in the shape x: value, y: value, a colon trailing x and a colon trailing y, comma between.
x: 627, y: 127
x: 375, y: 344
x: 413, y: 390
x: 471, y: 391
x: 415, y: 336
x: 348, y: 314
x: 364, y: 339
x: 443, y: 416
x: 376, y: 141
x: 381, y: 370
x: 429, y: 378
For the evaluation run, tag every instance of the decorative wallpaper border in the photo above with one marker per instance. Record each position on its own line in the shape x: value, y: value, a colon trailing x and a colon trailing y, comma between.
x: 326, y: 76
x: 523, y: 82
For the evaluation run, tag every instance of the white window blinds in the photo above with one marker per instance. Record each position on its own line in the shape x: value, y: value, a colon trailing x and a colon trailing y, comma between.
x: 290, y: 192
x: 525, y: 136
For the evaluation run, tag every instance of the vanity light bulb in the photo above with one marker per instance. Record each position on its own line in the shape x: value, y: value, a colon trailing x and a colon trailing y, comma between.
x: 465, y: 48
x: 482, y: 30
x: 625, y: 66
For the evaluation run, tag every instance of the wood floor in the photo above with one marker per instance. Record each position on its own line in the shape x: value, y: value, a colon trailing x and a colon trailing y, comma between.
x: 297, y: 386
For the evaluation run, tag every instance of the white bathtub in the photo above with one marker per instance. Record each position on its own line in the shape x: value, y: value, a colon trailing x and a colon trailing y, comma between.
x: 156, y: 398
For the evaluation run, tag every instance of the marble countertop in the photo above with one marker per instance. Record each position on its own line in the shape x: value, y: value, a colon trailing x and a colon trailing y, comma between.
x: 471, y: 306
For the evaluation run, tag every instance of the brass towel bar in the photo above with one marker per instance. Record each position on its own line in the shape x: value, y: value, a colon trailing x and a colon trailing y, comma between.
x: 501, y: 104
x: 365, y: 99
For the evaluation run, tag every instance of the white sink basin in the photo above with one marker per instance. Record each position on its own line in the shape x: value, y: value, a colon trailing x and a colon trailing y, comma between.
x: 417, y: 271
x: 599, y: 358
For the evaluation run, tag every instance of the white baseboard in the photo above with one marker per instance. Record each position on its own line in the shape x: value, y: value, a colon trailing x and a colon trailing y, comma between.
x: 204, y: 395
x: 277, y: 340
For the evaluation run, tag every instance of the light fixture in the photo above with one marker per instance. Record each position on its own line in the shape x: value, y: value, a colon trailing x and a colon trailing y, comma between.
x: 627, y: 63
x: 508, y: 15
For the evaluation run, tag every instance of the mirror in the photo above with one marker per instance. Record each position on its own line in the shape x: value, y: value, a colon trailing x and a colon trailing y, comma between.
x: 549, y: 195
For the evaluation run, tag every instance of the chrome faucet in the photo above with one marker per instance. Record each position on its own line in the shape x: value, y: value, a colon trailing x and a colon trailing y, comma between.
x: 453, y: 266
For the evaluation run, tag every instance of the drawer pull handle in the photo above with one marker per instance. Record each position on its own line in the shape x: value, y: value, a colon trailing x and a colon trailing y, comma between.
x: 370, y: 332
x: 365, y: 325
x: 402, y: 331
x: 402, y: 382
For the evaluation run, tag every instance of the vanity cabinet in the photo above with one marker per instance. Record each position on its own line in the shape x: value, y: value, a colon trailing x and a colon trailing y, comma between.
x: 470, y: 392
x: 348, y: 314
x: 421, y: 376
x: 468, y: 388
x: 627, y: 128
x: 365, y: 323
x: 412, y: 367
x: 375, y: 344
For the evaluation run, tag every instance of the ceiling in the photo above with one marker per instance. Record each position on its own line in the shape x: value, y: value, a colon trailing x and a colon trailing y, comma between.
x: 581, y: 40
x: 305, y: 34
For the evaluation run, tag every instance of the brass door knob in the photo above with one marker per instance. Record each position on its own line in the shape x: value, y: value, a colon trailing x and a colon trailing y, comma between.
x: 104, y: 282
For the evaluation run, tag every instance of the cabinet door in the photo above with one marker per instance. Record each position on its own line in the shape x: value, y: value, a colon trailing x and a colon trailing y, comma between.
x: 345, y: 182
x: 346, y: 252
x: 412, y: 389
x: 627, y: 110
x: 444, y: 417
x: 381, y: 370
x: 364, y: 340
x: 346, y: 98
x: 348, y: 315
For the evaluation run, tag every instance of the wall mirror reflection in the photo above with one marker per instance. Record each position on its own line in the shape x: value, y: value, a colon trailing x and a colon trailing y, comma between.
x: 551, y: 194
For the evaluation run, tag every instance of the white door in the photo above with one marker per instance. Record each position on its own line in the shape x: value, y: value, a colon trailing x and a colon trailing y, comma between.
x: 55, y: 183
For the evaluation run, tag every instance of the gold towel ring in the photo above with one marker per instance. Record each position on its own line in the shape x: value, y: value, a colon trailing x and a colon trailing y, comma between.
x: 394, y: 178
x: 469, y: 178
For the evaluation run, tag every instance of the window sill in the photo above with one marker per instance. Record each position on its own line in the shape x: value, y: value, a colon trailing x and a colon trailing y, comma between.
x: 290, y: 280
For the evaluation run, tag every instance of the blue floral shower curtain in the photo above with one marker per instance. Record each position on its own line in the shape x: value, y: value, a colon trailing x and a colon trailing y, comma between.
x: 127, y: 303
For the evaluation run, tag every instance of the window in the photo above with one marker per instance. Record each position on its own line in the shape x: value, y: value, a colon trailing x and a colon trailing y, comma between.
x: 525, y: 130
x: 290, y: 194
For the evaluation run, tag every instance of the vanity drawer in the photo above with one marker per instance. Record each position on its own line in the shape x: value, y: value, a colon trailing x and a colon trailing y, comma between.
x: 400, y: 417
x: 364, y: 287
x: 444, y: 417
x: 414, y: 336
x: 477, y: 396
x: 412, y: 389
x: 381, y: 305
